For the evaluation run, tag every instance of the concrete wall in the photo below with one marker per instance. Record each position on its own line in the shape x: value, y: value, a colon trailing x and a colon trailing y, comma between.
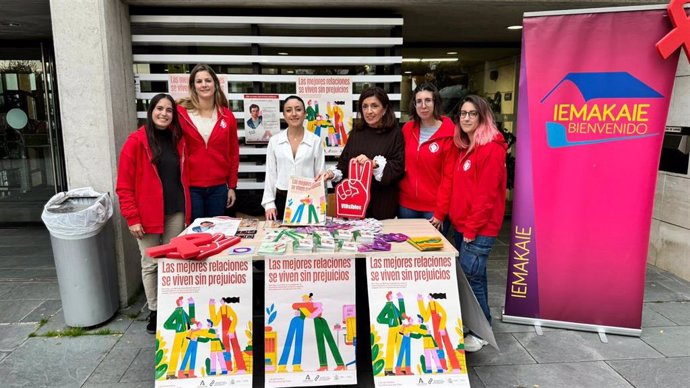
x: 93, y: 52
x: 669, y: 246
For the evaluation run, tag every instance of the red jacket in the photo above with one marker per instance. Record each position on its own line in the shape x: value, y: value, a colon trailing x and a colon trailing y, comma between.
x: 216, y: 163
x: 139, y: 188
x: 478, y: 198
x: 428, y: 169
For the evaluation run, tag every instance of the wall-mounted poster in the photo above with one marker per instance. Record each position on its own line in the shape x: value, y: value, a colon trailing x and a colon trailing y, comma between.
x: 261, y: 117
x: 416, y: 326
x: 178, y: 85
x: 306, y: 202
x: 204, y: 335
x: 310, y: 328
x: 329, y: 108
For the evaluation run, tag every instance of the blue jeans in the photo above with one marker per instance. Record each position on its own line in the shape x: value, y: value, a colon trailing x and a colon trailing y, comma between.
x: 294, y: 337
x: 404, y: 212
x: 473, y: 257
x: 208, y: 201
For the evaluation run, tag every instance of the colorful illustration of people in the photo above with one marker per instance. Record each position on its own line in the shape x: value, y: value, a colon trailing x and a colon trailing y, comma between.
x: 219, y: 333
x: 307, y: 308
x: 309, y: 203
x: 439, y: 354
x: 331, y: 123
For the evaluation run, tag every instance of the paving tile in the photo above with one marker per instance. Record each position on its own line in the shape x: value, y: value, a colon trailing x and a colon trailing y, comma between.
x: 475, y: 381
x: 676, y: 284
x: 14, y: 311
x: 651, y: 318
x: 504, y: 327
x: 671, y: 341
x: 29, y: 275
x: 512, y: 353
x: 63, y: 361
x: 142, y: 369
x: 667, y: 372
x: 12, y: 336
x: 3, y: 355
x: 678, y: 312
x: 573, y: 346
x: 113, y: 366
x: 34, y: 261
x: 118, y: 324
x: 497, y: 296
x: 6, y: 287
x: 45, y: 310
x: 137, y: 337
x: 656, y: 292
x: 571, y: 375
x: 34, y: 291
x: 28, y: 250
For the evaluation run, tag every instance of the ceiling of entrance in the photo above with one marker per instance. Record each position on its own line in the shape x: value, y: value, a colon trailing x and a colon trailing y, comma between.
x: 441, y: 24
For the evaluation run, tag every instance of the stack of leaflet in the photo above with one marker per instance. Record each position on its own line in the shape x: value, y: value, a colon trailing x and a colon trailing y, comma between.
x: 344, y: 235
x: 426, y: 243
x: 324, y: 241
x: 272, y: 248
x: 303, y: 245
x: 348, y: 246
x: 364, y: 236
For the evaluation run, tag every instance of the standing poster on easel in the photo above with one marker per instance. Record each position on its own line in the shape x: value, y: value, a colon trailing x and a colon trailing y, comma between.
x: 306, y: 202
x: 178, y: 85
x: 204, y: 333
x: 310, y: 328
x: 261, y: 117
x: 414, y: 308
x: 329, y: 109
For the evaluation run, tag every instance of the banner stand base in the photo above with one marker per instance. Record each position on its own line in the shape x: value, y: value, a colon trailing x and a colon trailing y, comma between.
x: 601, y: 330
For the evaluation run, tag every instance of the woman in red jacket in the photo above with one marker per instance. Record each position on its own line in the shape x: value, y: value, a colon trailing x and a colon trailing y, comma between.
x: 478, y: 196
x: 153, y: 189
x: 429, y: 159
x: 210, y: 130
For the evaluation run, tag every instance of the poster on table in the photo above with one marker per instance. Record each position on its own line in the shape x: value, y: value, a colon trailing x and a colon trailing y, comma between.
x: 204, y: 335
x: 306, y: 202
x: 591, y: 123
x: 414, y: 309
x: 261, y: 117
x: 329, y: 108
x: 178, y: 85
x: 310, y: 320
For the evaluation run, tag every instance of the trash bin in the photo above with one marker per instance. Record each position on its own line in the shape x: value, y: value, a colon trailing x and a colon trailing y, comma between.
x: 81, y: 235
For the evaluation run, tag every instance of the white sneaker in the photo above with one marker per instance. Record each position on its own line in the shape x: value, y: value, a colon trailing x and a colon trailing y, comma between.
x: 474, y: 344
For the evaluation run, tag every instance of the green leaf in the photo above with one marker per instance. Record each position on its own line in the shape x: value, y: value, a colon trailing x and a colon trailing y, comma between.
x: 159, y: 356
x: 160, y: 371
x: 375, y: 352
x: 378, y: 367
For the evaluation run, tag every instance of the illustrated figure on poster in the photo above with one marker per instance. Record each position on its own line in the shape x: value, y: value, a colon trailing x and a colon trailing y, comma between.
x: 227, y: 317
x: 295, y: 336
x: 195, y: 335
x: 308, y: 202
x: 217, y: 351
x: 179, y: 321
x: 391, y: 316
x: 336, y: 112
x: 312, y: 113
x: 331, y: 140
x: 255, y: 121
x: 430, y: 348
x: 408, y: 330
x: 323, y: 332
x: 435, y: 311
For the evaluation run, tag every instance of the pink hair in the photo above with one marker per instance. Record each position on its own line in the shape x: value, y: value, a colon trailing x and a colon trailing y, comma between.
x: 486, y: 130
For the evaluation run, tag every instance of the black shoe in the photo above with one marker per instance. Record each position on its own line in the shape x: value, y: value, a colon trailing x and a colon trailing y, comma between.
x: 151, y: 326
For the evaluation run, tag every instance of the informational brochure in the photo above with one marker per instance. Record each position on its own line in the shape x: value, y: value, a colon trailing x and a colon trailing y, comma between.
x: 414, y: 308
x: 225, y: 225
x: 204, y: 333
x: 261, y: 117
x: 310, y: 320
x: 306, y: 202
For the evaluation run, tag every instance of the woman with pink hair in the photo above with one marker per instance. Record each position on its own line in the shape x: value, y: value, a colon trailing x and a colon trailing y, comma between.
x: 478, y: 196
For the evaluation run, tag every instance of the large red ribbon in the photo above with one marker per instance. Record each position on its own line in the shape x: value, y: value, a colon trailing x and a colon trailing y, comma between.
x: 680, y: 35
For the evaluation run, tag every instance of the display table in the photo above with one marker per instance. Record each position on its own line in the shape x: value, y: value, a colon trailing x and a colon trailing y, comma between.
x: 265, y: 350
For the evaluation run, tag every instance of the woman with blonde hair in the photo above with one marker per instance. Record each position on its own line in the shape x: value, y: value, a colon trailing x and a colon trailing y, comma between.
x: 478, y: 196
x: 210, y: 130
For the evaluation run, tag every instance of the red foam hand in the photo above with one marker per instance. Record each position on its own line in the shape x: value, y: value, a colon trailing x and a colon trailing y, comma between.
x: 352, y: 194
x: 196, y: 246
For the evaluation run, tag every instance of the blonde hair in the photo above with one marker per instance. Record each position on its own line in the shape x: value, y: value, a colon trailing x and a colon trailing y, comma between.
x: 192, y: 102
